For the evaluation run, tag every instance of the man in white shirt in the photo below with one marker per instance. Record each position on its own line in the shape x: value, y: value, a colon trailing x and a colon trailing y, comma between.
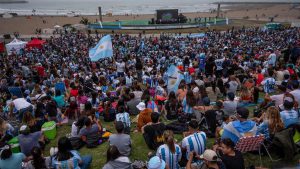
x: 278, y: 99
x: 21, y: 106
x: 120, y: 68
x: 272, y: 58
x: 219, y: 66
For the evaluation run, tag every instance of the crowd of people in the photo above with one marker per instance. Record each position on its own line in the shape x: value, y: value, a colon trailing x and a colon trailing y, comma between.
x: 224, y: 73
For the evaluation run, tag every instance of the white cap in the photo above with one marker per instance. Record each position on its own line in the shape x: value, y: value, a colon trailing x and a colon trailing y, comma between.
x: 209, y: 155
x: 141, y: 106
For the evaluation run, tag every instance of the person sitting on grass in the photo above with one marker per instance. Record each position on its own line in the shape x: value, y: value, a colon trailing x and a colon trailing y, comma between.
x: 170, y: 151
x: 124, y: 117
x: 145, y: 115
x: 10, y: 160
x: 153, y: 132
x: 289, y: 116
x: 194, y: 141
x: 232, y: 158
x: 29, y: 140
x: 114, y: 159
x: 77, y: 126
x: 38, y: 161
x: 121, y: 140
x: 156, y: 163
x: 241, y: 127
x: 90, y: 129
x: 66, y: 157
x: 109, y: 113
x: 210, y: 160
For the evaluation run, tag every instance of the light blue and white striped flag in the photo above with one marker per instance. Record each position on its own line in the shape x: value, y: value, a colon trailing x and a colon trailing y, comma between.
x: 102, y: 50
x: 174, y: 78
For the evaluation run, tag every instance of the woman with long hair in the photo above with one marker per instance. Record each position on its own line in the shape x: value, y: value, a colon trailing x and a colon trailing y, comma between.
x: 182, y: 91
x: 172, y: 106
x: 66, y: 157
x: 189, y: 102
x: 272, y: 123
x: 38, y: 161
x: 114, y: 159
x: 30, y: 121
x: 170, y: 152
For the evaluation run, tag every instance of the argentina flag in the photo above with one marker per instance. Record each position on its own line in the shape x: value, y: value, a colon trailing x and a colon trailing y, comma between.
x: 102, y: 50
x: 174, y: 78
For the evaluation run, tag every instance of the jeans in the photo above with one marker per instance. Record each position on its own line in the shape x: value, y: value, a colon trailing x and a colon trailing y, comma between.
x: 22, y: 111
x: 86, y: 161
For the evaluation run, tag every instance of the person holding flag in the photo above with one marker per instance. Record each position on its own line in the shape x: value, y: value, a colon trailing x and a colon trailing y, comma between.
x: 102, y: 50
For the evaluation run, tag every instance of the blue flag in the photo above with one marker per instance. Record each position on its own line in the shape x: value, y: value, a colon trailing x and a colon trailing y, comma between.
x: 102, y: 50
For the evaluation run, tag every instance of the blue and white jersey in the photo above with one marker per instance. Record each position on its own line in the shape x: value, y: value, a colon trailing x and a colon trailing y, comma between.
x: 272, y: 59
x: 195, y: 142
x: 124, y: 117
x: 186, y: 108
x: 187, y: 77
x: 289, y: 117
x: 172, y: 159
x: 219, y: 63
x: 269, y: 85
x: 72, y: 163
x: 202, y: 61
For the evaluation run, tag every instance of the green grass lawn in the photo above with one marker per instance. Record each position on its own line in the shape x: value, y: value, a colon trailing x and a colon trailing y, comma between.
x: 140, y: 149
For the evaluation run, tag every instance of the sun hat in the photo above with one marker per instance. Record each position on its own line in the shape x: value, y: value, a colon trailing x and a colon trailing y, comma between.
x: 141, y: 106
x: 156, y: 163
x: 209, y: 155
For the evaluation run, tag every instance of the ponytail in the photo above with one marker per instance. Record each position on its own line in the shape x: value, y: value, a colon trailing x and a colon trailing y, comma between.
x: 169, y: 140
x: 170, y: 143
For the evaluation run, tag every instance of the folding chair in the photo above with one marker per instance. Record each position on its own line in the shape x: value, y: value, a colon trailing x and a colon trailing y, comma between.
x: 253, y: 143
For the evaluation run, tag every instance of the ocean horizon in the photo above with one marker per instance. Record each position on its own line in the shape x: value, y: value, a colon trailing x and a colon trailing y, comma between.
x: 116, y: 7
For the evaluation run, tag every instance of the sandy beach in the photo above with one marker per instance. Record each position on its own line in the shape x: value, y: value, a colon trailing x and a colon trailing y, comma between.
x: 28, y: 24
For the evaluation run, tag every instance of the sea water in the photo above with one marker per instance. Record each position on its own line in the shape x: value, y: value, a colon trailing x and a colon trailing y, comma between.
x: 116, y: 7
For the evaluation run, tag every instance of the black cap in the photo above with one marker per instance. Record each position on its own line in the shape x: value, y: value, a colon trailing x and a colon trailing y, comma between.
x: 243, y: 112
x: 193, y: 124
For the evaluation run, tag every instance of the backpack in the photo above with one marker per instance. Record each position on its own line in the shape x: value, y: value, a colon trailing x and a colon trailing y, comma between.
x: 92, y: 140
x: 76, y: 142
